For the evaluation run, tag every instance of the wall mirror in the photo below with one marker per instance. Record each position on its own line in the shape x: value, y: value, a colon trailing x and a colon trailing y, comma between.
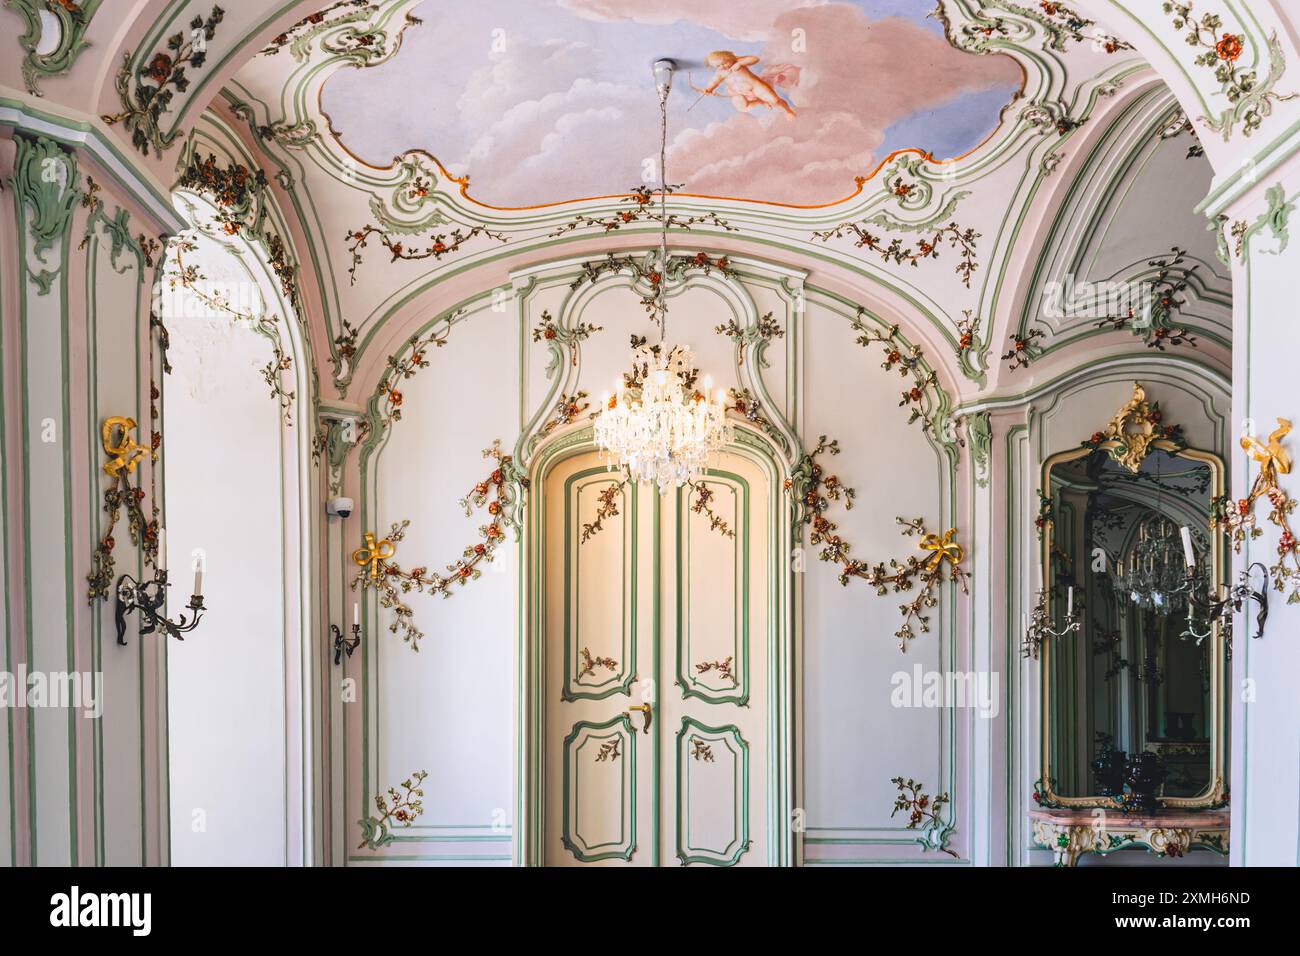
x: 1143, y: 672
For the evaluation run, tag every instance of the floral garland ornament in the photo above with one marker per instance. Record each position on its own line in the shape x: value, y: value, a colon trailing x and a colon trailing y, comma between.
x: 923, y: 813
x: 158, y: 80
x: 1237, y: 520
x: 123, y: 455
x: 909, y: 360
x: 701, y: 504
x: 243, y: 209
x: 642, y: 200
x: 379, y: 573
x: 647, y: 269
x: 1250, y: 98
x: 400, y: 369
x: 895, y: 252
x: 814, y: 490
x: 1166, y: 299
x: 191, y: 279
x: 440, y: 245
x: 608, y: 508
x: 399, y: 807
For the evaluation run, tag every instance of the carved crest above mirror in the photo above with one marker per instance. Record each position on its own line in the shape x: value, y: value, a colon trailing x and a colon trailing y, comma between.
x: 1134, y: 429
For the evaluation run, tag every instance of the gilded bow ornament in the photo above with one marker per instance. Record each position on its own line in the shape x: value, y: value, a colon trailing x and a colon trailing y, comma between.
x: 374, y: 554
x: 1273, y: 458
x: 943, y: 548
x: 121, y: 448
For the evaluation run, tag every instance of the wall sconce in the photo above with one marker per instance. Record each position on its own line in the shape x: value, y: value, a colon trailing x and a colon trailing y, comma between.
x: 1039, y: 627
x: 345, y: 645
x: 148, y: 597
x: 1220, y: 610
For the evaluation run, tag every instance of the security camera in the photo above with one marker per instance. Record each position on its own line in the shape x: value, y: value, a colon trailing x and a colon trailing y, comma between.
x: 339, y: 507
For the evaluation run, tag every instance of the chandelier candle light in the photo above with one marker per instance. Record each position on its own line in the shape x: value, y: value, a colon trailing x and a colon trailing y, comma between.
x: 660, y: 427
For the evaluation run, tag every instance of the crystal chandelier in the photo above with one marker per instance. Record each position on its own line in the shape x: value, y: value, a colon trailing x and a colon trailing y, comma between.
x: 658, y: 426
x: 1153, y: 574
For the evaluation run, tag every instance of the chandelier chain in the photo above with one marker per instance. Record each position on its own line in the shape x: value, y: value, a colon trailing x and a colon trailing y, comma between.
x: 662, y: 307
x: 657, y: 426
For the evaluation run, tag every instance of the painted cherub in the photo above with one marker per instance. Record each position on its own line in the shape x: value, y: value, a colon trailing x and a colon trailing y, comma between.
x: 745, y: 89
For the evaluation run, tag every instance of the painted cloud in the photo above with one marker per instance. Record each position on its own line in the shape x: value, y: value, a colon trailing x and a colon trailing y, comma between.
x: 567, y: 109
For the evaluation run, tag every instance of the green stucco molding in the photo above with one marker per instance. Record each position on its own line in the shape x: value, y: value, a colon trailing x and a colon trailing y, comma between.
x: 979, y: 432
x: 39, y: 17
x: 44, y: 181
x: 1276, y: 219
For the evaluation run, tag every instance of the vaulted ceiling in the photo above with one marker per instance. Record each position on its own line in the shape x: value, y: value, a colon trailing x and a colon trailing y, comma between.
x: 939, y: 165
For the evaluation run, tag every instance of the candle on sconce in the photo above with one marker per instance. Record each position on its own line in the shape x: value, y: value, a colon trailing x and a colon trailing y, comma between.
x: 198, y: 573
x: 1069, y: 602
x: 1188, y: 554
x: 356, y: 614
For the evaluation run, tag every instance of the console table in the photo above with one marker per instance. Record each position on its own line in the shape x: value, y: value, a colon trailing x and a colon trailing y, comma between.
x: 1069, y: 833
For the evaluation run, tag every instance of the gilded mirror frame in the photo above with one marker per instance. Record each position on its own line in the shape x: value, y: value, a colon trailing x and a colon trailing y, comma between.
x: 1130, y: 448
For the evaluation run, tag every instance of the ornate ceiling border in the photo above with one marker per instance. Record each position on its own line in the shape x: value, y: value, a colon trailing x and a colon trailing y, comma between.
x: 908, y: 206
x: 1132, y: 130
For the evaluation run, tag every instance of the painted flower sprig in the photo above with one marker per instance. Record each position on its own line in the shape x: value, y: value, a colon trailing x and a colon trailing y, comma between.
x: 908, y: 360
x: 551, y: 332
x: 607, y: 507
x: 1023, y: 349
x: 643, y: 203
x: 968, y: 330
x: 817, y: 490
x: 391, y: 582
x: 159, y: 80
x: 894, y: 250
x: 273, y: 374
x: 567, y: 409
x: 589, y: 663
x: 345, y: 348
x: 442, y: 244
x: 701, y: 496
x: 397, y: 808
x: 548, y: 329
x: 764, y: 329
x: 922, y: 811
x: 743, y: 402
x: 1250, y: 98
x: 1237, y: 519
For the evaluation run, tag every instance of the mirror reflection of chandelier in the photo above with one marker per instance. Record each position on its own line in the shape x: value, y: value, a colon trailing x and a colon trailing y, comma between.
x: 658, y: 426
x: 1153, y: 574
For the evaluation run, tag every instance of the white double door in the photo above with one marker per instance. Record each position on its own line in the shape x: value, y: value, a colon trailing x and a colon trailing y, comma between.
x: 656, y: 611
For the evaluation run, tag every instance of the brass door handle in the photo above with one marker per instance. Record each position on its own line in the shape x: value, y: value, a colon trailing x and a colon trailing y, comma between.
x: 647, y: 711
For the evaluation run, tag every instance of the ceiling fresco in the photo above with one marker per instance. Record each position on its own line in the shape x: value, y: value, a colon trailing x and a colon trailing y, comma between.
x: 429, y: 145
x: 775, y: 100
